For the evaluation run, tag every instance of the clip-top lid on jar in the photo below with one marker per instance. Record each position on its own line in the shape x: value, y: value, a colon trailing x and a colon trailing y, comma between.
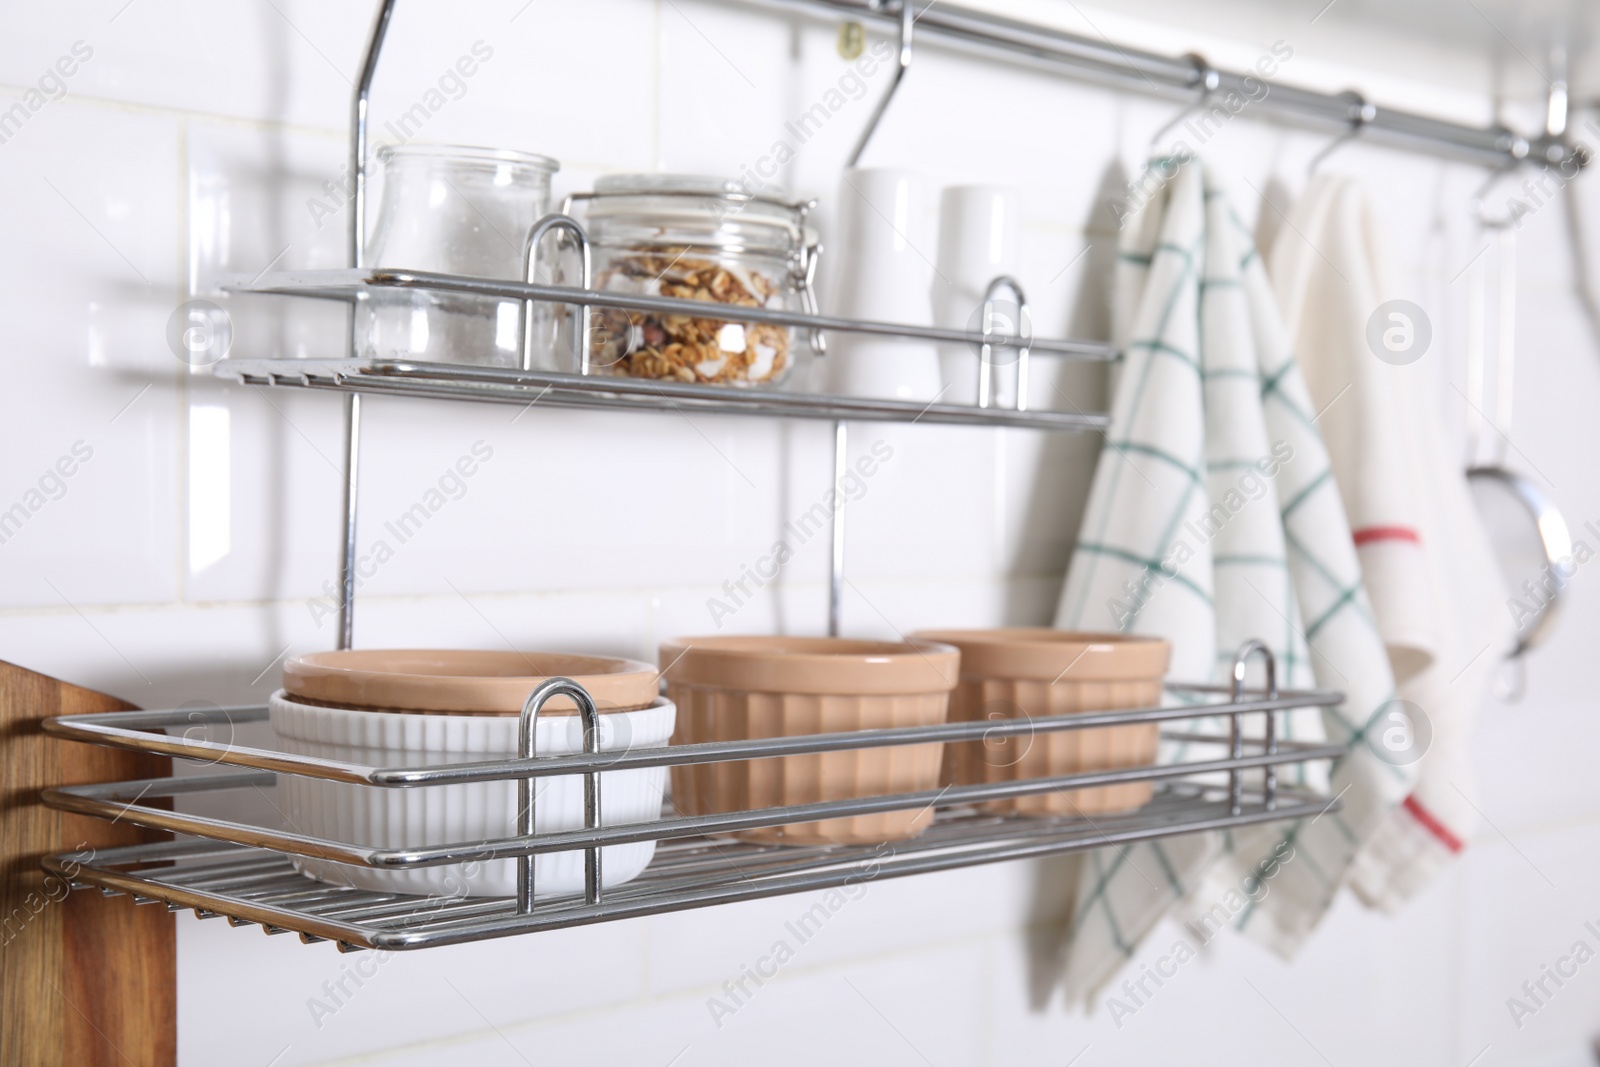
x: 674, y: 208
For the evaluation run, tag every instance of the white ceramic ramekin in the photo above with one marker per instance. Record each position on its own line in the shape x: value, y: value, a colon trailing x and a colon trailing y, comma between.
x: 481, y: 811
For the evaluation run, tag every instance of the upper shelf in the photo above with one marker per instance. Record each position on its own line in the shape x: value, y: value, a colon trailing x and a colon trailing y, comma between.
x: 447, y: 381
x: 351, y: 283
x: 464, y: 381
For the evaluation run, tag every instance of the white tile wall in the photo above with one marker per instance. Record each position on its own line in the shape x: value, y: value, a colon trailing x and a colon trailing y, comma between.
x: 186, y: 556
x: 93, y: 268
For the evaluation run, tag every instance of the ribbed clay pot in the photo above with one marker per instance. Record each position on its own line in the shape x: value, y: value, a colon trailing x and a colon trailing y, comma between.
x: 1031, y: 673
x: 733, y: 688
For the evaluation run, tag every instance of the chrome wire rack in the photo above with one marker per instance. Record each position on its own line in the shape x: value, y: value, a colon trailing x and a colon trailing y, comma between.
x: 1228, y: 776
x: 244, y: 871
x: 526, y: 385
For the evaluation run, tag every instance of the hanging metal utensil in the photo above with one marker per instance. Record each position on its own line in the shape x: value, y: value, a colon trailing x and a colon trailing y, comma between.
x: 1529, y: 537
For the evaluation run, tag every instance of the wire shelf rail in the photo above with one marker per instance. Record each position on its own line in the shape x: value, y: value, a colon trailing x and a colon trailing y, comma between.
x: 245, y: 871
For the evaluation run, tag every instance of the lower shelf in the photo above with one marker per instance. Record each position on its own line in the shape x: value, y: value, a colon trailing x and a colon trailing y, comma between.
x: 253, y: 885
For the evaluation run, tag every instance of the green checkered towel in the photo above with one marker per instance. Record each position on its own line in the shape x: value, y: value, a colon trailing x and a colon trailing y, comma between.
x: 1213, y: 519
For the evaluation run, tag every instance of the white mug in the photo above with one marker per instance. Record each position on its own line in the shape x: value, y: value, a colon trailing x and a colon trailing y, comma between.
x: 882, y: 256
x: 978, y: 227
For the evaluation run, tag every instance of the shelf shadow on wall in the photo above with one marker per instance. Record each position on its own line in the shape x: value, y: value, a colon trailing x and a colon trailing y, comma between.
x: 1056, y: 504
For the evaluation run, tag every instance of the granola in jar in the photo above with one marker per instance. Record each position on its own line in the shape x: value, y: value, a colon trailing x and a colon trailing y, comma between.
x: 687, y: 348
x: 702, y: 239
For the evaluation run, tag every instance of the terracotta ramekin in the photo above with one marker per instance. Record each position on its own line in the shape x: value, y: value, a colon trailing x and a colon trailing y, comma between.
x: 733, y: 688
x: 1030, y: 673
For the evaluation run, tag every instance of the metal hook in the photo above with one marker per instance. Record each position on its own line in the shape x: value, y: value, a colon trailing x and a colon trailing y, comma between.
x: 526, y: 749
x: 1022, y: 332
x: 907, y: 18
x: 1207, y: 79
x: 1241, y: 660
x: 1478, y: 200
x: 580, y: 312
x: 1361, y: 114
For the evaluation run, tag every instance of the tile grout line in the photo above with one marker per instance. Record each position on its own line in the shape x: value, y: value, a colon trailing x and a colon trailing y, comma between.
x: 184, y: 443
x: 655, y: 85
x: 111, y: 103
x: 258, y: 125
x: 795, y: 588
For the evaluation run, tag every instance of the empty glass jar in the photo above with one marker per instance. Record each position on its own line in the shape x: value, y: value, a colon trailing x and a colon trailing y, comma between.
x: 696, y: 238
x: 454, y: 210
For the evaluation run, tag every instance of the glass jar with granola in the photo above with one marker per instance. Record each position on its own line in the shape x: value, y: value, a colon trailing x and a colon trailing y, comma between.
x: 696, y: 238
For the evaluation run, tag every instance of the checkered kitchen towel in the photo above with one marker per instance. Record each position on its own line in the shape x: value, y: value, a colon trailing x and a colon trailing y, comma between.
x: 1213, y: 519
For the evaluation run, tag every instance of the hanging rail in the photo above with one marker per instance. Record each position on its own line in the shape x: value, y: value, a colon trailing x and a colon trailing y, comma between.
x: 1124, y: 67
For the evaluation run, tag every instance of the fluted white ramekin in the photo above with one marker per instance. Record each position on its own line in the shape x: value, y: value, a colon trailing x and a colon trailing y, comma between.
x: 480, y: 811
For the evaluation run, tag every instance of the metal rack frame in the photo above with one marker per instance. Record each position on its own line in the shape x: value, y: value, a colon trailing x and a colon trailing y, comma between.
x: 245, y: 871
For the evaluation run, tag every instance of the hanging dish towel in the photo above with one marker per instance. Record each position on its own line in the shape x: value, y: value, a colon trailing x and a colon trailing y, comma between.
x: 1213, y: 519
x: 1429, y: 569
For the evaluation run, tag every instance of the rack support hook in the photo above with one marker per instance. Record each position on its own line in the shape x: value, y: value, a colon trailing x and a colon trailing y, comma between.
x: 907, y: 18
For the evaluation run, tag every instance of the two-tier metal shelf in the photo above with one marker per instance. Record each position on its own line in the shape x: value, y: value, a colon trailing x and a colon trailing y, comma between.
x: 1228, y: 776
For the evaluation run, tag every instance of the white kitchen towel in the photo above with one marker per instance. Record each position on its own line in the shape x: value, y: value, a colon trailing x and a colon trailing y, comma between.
x: 1325, y: 272
x: 1435, y: 587
x: 1214, y: 518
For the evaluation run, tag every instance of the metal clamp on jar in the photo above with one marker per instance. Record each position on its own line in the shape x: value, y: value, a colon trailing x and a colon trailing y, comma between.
x: 696, y: 238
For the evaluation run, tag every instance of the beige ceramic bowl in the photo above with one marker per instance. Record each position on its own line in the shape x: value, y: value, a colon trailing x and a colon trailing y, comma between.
x: 733, y: 688
x: 1017, y: 673
x: 462, y: 681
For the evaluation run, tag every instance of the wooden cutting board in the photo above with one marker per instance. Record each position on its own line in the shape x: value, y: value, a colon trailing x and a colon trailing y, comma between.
x: 85, y: 981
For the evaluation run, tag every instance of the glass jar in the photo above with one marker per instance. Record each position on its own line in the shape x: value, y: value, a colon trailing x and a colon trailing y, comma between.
x: 696, y: 238
x: 454, y: 210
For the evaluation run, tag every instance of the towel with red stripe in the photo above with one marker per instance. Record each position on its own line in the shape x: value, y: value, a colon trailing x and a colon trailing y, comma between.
x: 1425, y: 557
